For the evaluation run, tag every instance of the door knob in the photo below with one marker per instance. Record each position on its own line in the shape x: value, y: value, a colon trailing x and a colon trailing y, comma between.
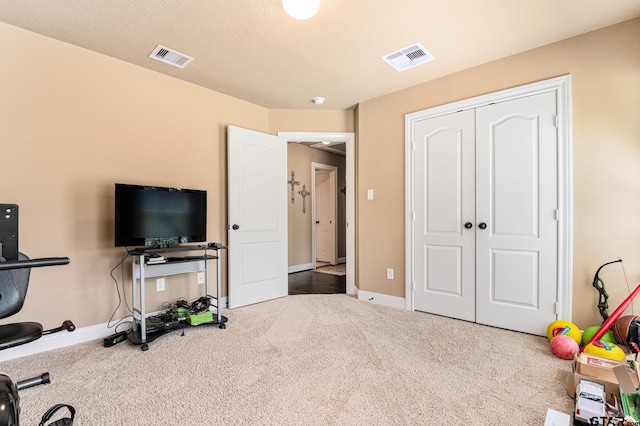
x: 468, y: 225
x: 482, y: 225
x: 318, y: 222
x: 235, y: 227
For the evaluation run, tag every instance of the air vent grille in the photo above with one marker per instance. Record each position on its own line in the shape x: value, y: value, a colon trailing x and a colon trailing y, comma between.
x: 408, y: 57
x: 171, y: 57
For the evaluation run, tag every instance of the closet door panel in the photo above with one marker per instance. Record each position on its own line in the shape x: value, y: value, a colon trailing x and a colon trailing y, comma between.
x: 516, y: 197
x: 444, y: 201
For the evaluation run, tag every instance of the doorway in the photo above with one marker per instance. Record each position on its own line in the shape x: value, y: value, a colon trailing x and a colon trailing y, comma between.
x: 324, y: 210
x: 345, y: 191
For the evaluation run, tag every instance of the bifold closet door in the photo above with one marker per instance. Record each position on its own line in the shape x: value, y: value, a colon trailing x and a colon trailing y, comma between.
x: 444, y: 184
x: 517, y: 198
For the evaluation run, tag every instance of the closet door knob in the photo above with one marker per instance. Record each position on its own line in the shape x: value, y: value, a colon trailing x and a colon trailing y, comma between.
x: 468, y: 225
x: 482, y: 225
x: 235, y: 227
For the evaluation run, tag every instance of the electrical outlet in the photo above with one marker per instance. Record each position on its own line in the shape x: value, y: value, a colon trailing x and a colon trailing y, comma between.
x: 200, y: 278
x: 389, y: 273
x: 160, y: 284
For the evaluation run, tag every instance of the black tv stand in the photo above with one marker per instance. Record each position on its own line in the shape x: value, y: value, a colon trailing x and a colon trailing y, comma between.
x: 172, y: 266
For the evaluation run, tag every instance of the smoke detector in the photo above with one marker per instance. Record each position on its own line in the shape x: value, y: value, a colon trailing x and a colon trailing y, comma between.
x: 170, y: 56
x: 318, y: 100
x: 409, y: 57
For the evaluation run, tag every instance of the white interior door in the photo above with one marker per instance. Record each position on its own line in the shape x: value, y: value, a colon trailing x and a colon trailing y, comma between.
x: 257, y: 200
x: 444, y: 185
x: 517, y: 199
x: 486, y: 198
x: 325, y: 211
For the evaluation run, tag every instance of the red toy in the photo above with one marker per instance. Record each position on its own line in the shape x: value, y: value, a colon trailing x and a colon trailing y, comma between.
x: 564, y: 346
x: 614, y: 316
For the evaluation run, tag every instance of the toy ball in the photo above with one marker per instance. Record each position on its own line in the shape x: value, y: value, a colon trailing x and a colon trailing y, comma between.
x: 621, y: 328
x: 606, y: 337
x: 564, y: 346
x: 564, y: 327
x: 605, y: 350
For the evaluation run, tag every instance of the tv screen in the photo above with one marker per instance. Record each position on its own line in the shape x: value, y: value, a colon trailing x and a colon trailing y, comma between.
x: 158, y: 216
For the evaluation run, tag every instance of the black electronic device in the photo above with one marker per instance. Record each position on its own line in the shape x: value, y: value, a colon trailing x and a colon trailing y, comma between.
x: 156, y: 325
x: 159, y: 216
x: 114, y: 339
x: 9, y: 232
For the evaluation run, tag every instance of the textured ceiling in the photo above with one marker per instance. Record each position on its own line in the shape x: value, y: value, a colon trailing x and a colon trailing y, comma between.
x: 250, y: 49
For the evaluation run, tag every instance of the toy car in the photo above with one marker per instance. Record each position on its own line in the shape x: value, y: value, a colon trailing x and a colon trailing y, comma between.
x: 590, y: 403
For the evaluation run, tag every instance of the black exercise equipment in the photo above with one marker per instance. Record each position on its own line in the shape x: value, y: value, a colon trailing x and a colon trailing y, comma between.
x: 14, y: 281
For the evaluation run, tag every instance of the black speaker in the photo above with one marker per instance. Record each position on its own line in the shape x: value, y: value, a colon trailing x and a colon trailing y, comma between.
x: 8, y: 232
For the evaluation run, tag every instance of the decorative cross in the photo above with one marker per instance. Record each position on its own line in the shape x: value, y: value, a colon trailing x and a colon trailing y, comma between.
x: 304, y: 193
x: 293, y: 183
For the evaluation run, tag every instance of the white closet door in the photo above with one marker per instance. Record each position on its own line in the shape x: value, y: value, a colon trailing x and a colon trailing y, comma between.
x: 444, y: 182
x: 517, y: 181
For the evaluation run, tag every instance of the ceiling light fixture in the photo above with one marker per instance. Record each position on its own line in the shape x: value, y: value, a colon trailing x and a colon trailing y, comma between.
x: 301, y: 9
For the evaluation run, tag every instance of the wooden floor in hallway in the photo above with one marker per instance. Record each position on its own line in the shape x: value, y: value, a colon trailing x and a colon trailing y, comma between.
x: 310, y: 282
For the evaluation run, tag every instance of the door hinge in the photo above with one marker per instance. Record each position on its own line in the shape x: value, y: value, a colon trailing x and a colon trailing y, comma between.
x: 557, y: 308
x: 557, y: 213
x: 557, y: 122
x: 413, y: 285
x: 413, y: 216
x: 413, y: 145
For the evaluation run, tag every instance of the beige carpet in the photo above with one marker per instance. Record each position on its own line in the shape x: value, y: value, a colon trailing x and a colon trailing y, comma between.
x: 307, y: 360
x: 340, y: 269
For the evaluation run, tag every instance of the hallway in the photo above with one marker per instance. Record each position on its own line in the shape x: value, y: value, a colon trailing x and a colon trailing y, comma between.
x: 310, y: 282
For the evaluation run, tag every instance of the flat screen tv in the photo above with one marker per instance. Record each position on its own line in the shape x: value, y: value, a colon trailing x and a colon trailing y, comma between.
x: 156, y: 216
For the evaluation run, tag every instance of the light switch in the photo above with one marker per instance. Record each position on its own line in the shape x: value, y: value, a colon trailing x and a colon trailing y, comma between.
x: 369, y: 194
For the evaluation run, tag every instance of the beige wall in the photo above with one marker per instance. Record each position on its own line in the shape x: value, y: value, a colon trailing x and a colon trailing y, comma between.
x: 73, y: 123
x: 605, y: 70
x: 299, y: 159
x: 289, y: 120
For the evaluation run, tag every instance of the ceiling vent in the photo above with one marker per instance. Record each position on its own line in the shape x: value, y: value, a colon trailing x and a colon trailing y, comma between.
x: 409, y: 57
x: 171, y: 57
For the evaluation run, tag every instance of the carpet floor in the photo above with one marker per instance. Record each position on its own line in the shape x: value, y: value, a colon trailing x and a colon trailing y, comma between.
x: 307, y: 360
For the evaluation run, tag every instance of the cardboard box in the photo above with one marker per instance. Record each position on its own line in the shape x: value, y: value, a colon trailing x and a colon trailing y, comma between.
x: 629, y: 390
x: 619, y: 380
x: 602, y: 370
x: 595, y: 366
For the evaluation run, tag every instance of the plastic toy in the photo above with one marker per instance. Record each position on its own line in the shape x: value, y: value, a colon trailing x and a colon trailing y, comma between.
x: 564, y: 346
x: 605, y: 350
x: 608, y: 336
x: 599, y: 285
x: 590, y: 403
x: 564, y: 327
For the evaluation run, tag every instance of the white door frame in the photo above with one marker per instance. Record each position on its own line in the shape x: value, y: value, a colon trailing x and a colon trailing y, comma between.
x: 349, y: 141
x: 562, y: 87
x: 334, y: 192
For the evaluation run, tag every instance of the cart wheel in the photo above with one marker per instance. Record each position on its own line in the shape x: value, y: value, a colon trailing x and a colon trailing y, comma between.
x: 144, y: 347
x: 222, y: 326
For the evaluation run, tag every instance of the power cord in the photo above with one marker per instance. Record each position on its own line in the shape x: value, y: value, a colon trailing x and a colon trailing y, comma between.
x: 120, y: 298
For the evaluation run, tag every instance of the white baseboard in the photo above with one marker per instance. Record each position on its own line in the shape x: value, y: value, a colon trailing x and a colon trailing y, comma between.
x: 300, y: 268
x: 57, y: 341
x: 342, y: 260
x: 382, y: 299
x: 64, y: 339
